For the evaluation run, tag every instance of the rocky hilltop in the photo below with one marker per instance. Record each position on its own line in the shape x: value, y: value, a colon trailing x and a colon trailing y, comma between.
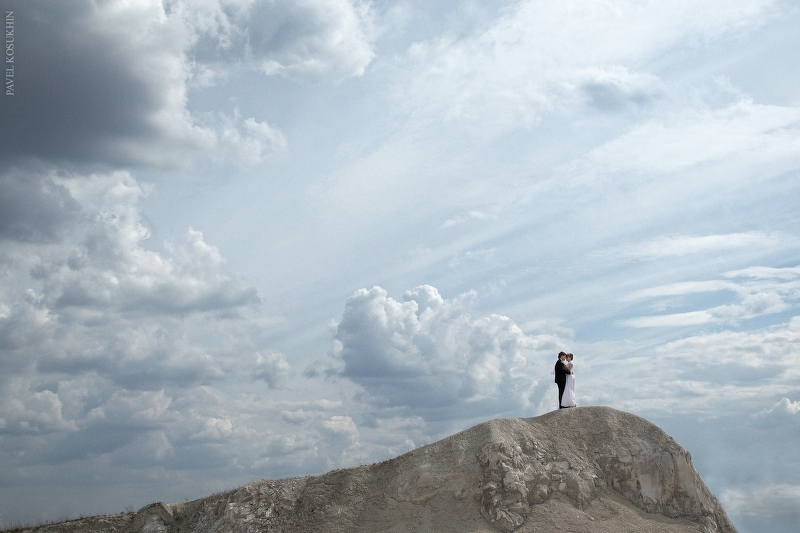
x: 588, y: 469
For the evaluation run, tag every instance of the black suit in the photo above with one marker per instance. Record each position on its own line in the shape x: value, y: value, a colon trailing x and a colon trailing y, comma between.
x: 561, y: 379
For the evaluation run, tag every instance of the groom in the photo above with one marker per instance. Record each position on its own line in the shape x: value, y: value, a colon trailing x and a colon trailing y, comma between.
x: 561, y: 375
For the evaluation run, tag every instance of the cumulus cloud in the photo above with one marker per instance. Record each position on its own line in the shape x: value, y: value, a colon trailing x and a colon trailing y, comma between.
x: 248, y: 142
x: 109, y: 320
x: 784, y: 414
x: 342, y: 426
x: 271, y: 367
x: 430, y: 353
x: 142, y: 407
x: 304, y: 39
x: 95, y: 91
x: 26, y: 411
x: 215, y: 429
x: 106, y: 266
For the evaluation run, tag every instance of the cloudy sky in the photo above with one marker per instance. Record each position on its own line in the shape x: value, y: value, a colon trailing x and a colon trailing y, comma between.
x: 246, y: 239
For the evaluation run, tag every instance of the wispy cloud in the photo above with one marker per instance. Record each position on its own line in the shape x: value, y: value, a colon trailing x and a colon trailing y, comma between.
x: 758, y: 291
x: 684, y: 245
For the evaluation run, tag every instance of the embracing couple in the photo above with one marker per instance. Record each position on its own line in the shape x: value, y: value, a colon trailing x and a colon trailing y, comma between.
x: 565, y: 379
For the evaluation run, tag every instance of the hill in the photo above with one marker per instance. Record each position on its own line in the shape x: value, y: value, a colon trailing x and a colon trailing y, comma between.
x: 587, y: 469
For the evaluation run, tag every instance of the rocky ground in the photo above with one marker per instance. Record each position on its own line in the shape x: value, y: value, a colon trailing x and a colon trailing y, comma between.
x: 586, y: 469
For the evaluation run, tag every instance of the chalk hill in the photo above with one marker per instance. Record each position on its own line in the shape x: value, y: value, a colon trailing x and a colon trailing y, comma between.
x: 588, y: 469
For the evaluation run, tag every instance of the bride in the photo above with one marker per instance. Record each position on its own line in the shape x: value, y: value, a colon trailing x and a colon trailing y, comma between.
x: 568, y: 400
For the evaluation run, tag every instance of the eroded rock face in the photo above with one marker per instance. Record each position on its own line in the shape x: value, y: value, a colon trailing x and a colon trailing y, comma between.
x: 654, y: 473
x: 514, y: 478
x: 153, y: 518
x: 253, y: 508
x: 512, y: 475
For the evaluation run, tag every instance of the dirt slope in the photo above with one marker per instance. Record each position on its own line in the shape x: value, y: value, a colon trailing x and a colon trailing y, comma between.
x: 586, y: 469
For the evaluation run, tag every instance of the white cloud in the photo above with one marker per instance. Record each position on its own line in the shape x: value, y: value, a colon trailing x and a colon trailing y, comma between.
x: 704, y: 376
x: 344, y: 426
x: 460, y: 219
x: 304, y: 39
x: 785, y: 413
x: 297, y: 416
x: 271, y: 367
x: 750, y: 348
x: 244, y: 142
x: 127, y: 408
x: 760, y: 292
x: 753, y: 305
x: 106, y: 266
x: 683, y: 245
x: 732, y: 137
x: 343, y: 441
x: 96, y: 326
x: 682, y: 289
x: 471, y: 256
x: 27, y: 411
x: 428, y: 352
x: 540, y: 58
x: 789, y: 273
x: 215, y: 429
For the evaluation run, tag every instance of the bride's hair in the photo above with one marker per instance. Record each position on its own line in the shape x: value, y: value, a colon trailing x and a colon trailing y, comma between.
x: 570, y: 356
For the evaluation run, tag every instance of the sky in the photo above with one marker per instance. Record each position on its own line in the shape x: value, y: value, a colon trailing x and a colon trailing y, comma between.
x: 249, y: 239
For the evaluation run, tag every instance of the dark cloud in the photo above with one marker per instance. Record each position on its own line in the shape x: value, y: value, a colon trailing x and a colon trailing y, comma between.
x: 85, y: 444
x: 613, y: 97
x: 106, y: 83
x: 79, y: 90
x: 33, y: 207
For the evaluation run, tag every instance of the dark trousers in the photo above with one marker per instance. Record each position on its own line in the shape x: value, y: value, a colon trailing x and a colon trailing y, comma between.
x: 561, y: 387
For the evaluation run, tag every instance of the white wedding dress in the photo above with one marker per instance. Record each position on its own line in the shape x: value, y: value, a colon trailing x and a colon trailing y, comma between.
x: 568, y: 399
